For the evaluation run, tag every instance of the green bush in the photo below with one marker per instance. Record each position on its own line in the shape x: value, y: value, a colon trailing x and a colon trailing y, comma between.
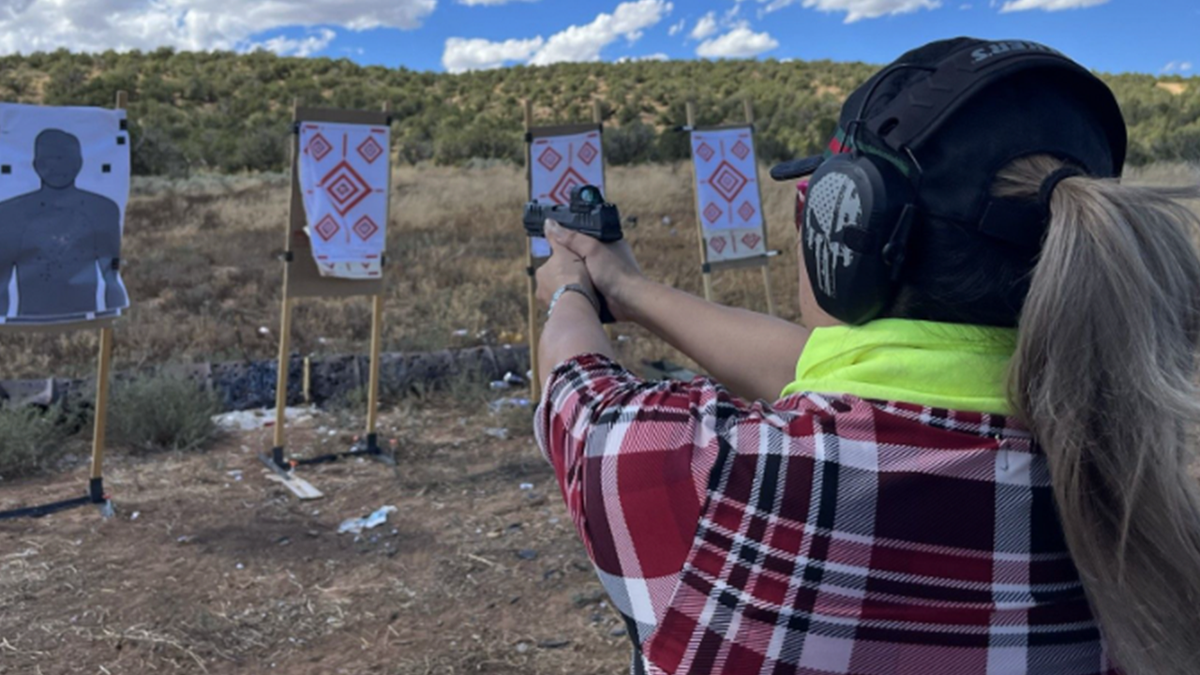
x: 31, y: 438
x: 162, y: 413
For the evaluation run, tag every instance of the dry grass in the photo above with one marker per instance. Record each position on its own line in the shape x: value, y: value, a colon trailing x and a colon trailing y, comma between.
x: 204, y: 278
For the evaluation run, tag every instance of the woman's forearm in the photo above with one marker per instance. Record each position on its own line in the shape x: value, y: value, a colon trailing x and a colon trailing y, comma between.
x: 753, y: 355
x: 572, y: 330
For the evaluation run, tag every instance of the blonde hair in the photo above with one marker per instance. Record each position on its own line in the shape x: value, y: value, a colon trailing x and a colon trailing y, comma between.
x: 1105, y: 376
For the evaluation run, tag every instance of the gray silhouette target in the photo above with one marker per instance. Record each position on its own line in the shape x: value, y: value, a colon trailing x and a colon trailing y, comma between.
x: 63, y: 190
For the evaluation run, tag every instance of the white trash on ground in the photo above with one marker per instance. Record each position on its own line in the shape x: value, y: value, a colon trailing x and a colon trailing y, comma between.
x: 500, y: 405
x: 357, y: 525
x: 253, y: 420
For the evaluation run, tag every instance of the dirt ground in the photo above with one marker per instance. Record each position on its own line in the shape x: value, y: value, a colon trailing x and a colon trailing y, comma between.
x: 209, y: 567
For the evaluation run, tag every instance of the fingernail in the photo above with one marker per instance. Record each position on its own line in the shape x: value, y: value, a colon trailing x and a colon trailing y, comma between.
x: 553, y: 229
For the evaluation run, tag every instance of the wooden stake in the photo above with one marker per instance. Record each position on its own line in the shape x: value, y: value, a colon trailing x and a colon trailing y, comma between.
x: 766, y: 269
x: 377, y: 323
x: 103, y: 374
x: 598, y: 118
x: 708, y: 288
x: 102, y: 383
x: 285, y: 322
x: 376, y: 350
x: 534, y: 337
x: 307, y: 380
x: 281, y: 381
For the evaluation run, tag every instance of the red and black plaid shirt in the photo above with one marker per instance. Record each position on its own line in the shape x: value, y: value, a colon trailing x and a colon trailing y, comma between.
x: 820, y: 535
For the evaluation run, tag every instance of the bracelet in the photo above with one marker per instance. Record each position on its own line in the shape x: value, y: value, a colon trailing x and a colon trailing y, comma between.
x: 571, y: 288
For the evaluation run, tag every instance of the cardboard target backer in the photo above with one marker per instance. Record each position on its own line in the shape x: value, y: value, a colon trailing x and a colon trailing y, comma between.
x: 344, y: 176
x: 729, y: 201
x: 304, y: 278
x: 560, y: 163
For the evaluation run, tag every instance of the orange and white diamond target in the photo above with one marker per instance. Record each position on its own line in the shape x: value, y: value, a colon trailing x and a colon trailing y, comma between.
x: 561, y: 163
x: 728, y: 197
x: 343, y: 177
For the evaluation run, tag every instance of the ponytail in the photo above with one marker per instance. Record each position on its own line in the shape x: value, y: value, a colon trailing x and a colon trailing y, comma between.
x: 1105, y: 376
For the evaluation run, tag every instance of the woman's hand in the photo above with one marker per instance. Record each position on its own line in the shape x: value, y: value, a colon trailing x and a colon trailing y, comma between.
x: 610, y: 267
x: 564, y: 267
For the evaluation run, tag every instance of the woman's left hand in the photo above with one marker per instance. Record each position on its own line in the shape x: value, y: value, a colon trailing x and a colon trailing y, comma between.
x: 563, y: 267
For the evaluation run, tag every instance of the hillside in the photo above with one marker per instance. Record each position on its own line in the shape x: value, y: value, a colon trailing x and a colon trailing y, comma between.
x: 229, y: 112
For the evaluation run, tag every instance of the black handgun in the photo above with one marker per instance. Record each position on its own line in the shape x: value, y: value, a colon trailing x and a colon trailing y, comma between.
x: 587, y: 214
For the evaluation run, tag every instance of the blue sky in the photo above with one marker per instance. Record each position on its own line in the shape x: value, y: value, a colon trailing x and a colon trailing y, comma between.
x: 1150, y: 36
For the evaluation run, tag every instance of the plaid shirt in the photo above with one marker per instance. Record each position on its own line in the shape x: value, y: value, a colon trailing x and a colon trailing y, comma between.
x: 820, y: 535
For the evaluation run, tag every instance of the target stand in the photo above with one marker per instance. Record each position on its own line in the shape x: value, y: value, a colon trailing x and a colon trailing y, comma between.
x: 730, y: 217
x: 96, y: 495
x: 302, y: 279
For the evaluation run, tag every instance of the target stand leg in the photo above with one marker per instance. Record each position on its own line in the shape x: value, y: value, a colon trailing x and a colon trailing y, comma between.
x: 370, y: 448
x: 95, y: 497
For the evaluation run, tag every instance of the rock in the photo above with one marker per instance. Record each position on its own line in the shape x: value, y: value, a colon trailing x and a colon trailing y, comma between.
x: 527, y: 554
x: 553, y: 644
x: 586, y: 599
x: 618, y: 632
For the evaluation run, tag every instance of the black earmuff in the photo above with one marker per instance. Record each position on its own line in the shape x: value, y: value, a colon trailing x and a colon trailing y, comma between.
x: 856, y: 222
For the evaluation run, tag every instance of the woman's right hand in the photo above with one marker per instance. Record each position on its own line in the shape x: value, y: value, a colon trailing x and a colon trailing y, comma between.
x: 614, y: 271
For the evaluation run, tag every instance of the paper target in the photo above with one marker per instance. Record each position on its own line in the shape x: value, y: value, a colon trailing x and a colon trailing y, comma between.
x: 343, y: 176
x: 64, y: 185
x: 561, y: 163
x: 728, y: 198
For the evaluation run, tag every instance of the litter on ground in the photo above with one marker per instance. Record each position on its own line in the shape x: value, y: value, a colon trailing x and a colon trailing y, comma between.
x: 357, y: 525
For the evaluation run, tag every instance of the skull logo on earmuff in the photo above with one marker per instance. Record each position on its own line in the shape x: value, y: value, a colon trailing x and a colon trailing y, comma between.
x: 833, y: 204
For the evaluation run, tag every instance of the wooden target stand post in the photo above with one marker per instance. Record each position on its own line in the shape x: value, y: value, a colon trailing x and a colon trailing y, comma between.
x: 302, y: 279
x: 761, y: 261
x: 532, y: 136
x: 96, y: 494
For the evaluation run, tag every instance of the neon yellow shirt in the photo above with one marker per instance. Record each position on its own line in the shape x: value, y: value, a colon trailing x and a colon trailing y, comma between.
x: 941, y: 365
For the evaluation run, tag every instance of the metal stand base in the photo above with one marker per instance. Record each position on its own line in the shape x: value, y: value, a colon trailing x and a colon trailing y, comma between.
x: 95, y: 496
x: 368, y: 447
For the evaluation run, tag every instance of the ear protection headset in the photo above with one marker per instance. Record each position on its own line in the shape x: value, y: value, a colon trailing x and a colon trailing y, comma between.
x: 861, y: 207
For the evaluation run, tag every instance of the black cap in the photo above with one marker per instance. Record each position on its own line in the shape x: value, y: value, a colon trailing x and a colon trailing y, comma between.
x: 951, y: 114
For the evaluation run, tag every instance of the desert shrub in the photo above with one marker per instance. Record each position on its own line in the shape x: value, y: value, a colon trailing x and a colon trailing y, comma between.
x: 630, y: 144
x: 162, y: 413
x: 31, y: 438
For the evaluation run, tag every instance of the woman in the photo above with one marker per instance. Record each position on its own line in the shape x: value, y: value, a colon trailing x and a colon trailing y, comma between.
x: 980, y: 462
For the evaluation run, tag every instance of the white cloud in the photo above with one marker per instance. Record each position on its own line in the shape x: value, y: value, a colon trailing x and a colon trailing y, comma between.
x: 857, y: 10
x: 647, y: 57
x: 1177, y: 67
x: 306, y: 46
x: 97, y: 25
x: 1048, y: 5
x: 676, y: 29
x: 739, y: 43
x: 462, y: 55
x: 477, y: 3
x: 705, y: 27
x: 584, y: 43
x: 575, y: 43
x: 1185, y: 66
